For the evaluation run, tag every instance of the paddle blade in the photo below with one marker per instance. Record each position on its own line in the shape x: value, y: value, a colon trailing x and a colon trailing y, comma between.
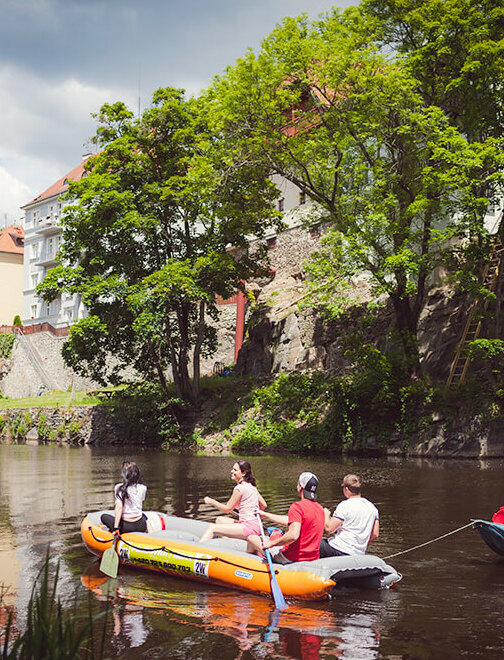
x: 276, y: 592
x: 109, y: 564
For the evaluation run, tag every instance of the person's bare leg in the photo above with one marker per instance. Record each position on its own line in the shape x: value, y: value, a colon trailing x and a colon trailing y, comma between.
x: 224, y: 520
x: 254, y: 544
x: 209, y: 533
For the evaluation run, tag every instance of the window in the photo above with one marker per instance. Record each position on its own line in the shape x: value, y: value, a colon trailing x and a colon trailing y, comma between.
x: 69, y: 313
x: 281, y: 204
x: 34, y: 311
x: 35, y: 250
x: 48, y: 309
x: 302, y: 198
x: 34, y: 280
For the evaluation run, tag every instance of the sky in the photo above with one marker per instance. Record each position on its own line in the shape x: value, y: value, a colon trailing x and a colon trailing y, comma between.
x: 60, y: 60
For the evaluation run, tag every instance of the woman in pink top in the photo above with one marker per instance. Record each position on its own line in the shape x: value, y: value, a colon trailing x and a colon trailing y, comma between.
x: 247, y: 499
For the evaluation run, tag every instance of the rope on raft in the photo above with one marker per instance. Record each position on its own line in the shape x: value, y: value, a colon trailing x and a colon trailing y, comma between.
x: 179, y: 554
x: 403, y: 552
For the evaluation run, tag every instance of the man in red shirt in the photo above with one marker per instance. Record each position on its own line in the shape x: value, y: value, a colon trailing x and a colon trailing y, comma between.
x: 305, y: 522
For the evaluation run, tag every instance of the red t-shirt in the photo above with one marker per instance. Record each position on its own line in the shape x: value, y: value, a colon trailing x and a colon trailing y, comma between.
x: 311, y: 516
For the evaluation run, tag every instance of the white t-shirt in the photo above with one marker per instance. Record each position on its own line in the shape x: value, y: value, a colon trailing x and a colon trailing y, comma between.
x: 358, y: 515
x: 132, y: 505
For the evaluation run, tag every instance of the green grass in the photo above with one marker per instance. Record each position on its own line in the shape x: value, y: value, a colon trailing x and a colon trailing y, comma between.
x: 52, y: 400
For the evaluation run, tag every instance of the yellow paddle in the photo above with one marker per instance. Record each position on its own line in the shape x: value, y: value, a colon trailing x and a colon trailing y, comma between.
x: 110, y: 559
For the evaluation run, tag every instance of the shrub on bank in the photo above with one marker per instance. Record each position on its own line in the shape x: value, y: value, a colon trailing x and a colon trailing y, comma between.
x: 315, y: 413
x: 6, y: 344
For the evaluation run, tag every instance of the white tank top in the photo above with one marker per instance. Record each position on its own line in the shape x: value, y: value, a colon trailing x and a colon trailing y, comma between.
x: 132, y: 505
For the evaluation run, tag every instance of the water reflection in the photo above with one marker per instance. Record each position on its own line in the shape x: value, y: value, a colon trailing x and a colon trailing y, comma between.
x: 305, y: 631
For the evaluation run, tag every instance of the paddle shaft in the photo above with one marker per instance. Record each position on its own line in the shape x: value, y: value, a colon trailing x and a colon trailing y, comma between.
x: 276, y: 592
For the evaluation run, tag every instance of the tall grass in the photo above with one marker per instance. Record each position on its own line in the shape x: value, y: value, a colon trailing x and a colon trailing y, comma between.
x: 53, y: 632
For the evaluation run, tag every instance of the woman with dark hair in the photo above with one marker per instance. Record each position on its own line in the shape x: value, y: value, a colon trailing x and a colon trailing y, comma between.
x: 129, y: 495
x: 247, y: 499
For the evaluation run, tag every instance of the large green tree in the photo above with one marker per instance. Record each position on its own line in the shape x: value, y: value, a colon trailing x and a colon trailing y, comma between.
x: 147, y: 241
x: 323, y: 107
x: 455, y: 49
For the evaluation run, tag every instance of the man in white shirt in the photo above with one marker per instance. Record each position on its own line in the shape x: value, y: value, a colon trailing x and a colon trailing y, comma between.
x: 355, y: 521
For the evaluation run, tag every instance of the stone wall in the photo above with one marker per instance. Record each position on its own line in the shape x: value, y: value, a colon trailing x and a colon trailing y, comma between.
x: 19, y: 378
x: 77, y: 425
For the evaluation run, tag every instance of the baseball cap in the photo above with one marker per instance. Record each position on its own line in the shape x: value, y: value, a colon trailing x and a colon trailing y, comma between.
x: 308, y: 482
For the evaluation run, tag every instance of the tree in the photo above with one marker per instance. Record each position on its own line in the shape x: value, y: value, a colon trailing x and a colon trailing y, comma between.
x: 455, y: 49
x: 324, y: 108
x: 146, y: 243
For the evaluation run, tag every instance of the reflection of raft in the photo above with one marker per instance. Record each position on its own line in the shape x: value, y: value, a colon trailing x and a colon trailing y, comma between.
x: 175, y: 550
x: 492, y: 533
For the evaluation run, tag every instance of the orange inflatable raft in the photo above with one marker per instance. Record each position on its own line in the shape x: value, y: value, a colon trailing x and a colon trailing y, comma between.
x: 174, y: 549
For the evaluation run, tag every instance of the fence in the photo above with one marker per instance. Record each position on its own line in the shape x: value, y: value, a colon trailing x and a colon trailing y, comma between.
x: 33, y: 329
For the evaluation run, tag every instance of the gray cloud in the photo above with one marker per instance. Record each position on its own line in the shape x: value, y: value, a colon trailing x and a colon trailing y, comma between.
x: 61, y: 59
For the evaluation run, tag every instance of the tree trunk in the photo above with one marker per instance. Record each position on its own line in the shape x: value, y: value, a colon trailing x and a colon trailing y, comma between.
x: 197, y: 352
x: 406, y: 322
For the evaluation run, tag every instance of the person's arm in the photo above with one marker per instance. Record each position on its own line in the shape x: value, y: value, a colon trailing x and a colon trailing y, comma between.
x: 262, y: 502
x: 331, y: 523
x: 277, y: 518
x: 230, y: 504
x: 291, y: 535
x: 375, y: 532
x: 118, y: 510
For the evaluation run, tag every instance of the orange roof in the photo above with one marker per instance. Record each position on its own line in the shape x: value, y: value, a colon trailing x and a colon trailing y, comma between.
x: 12, y: 239
x: 61, y: 185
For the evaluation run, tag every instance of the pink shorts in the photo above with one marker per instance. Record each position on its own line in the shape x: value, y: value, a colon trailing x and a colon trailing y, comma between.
x: 250, y: 527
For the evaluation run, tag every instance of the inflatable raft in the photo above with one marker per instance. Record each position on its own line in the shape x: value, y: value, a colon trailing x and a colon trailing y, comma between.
x: 492, y: 533
x: 174, y: 549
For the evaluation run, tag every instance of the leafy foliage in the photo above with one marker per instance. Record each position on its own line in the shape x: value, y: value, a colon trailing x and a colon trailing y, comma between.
x: 351, y: 127
x: 146, y: 243
x: 6, y: 344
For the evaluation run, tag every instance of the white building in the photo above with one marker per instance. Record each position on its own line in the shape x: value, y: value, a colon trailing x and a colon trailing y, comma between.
x: 42, y: 239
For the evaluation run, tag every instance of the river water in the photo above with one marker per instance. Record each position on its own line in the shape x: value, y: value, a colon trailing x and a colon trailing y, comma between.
x: 450, y: 603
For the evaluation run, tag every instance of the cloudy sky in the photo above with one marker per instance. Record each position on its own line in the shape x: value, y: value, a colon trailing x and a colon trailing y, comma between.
x: 61, y: 59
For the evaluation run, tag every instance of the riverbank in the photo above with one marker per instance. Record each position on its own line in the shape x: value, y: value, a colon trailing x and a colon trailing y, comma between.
x: 304, y: 414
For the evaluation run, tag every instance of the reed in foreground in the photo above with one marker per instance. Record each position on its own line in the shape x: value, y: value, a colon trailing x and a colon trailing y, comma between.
x: 53, y: 631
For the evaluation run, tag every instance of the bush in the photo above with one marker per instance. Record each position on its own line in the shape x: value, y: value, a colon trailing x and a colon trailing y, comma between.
x: 21, y: 424
x: 6, y: 344
x: 17, y: 320
x: 43, y: 428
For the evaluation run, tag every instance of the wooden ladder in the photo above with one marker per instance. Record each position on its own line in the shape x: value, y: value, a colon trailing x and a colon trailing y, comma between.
x: 473, y: 324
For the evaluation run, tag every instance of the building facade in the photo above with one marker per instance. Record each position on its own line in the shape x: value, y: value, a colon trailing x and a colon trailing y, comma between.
x: 42, y: 239
x: 11, y: 273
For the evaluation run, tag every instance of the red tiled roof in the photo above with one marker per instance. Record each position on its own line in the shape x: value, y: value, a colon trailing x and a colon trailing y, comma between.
x: 60, y: 185
x: 12, y: 239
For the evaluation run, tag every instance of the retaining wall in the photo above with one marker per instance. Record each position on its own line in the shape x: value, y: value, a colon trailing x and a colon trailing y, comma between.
x: 79, y: 425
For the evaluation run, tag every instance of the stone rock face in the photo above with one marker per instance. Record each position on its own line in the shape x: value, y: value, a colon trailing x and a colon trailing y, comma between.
x: 464, y: 438
x: 300, y: 340
x: 255, y: 357
x: 446, y: 312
